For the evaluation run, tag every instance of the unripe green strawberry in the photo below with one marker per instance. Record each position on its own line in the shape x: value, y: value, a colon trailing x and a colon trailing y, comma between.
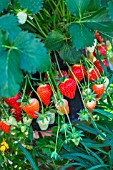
x: 43, y: 124
x: 52, y: 116
x: 23, y: 128
x: 11, y: 121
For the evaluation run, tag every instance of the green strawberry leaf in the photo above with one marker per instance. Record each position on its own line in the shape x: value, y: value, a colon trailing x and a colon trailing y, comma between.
x: 11, y: 76
x: 26, y: 53
x: 33, y: 6
x: 54, y: 41
x: 104, y: 3
x: 69, y: 54
x: 33, y: 55
x: 4, y: 4
x: 94, y: 5
x: 110, y: 9
x: 100, y: 21
x: 81, y: 35
x: 9, y: 24
x: 77, y: 7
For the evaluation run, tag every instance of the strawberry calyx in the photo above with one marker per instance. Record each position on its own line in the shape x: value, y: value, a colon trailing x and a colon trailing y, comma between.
x: 90, y: 97
x: 42, y: 117
x: 83, y: 115
x: 99, y: 81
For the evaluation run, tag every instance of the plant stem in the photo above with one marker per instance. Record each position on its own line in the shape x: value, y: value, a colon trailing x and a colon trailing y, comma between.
x: 54, y: 92
x: 36, y: 94
x: 58, y: 64
x: 24, y: 90
x: 60, y: 97
x: 4, y: 110
x: 41, y: 31
x: 57, y: 132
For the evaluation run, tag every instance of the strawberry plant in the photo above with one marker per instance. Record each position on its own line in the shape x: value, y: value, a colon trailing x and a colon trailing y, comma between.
x: 56, y: 84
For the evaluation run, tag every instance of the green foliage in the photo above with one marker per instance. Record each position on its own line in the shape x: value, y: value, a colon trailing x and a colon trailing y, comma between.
x: 105, y: 113
x: 32, y: 53
x: 9, y: 23
x: 69, y: 54
x: 28, y: 156
x: 77, y: 7
x: 4, y: 4
x: 11, y: 76
x: 110, y: 9
x: 100, y: 20
x: 26, y: 53
x: 94, y: 5
x: 33, y: 6
x: 86, y: 37
x: 64, y: 27
x: 54, y: 41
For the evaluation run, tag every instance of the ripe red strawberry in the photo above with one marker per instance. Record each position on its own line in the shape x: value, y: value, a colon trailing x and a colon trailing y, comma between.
x: 45, y: 92
x: 98, y: 37
x: 4, y: 127
x: 13, y: 101
x: 16, y: 114
x: 98, y: 65
x: 78, y: 71
x: 98, y: 89
x: 31, y: 108
x: 102, y: 49
x: 68, y: 88
x: 93, y: 74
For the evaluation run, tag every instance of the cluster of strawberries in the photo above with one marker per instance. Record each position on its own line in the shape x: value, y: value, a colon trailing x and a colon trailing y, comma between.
x: 67, y: 87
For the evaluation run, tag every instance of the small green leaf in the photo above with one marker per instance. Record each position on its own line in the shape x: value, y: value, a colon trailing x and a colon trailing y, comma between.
x: 9, y: 24
x: 105, y: 113
x: 32, y: 5
x: 4, y: 4
x: 110, y: 9
x: 77, y: 7
x: 69, y: 54
x: 81, y: 35
x: 28, y: 156
x: 33, y: 54
x: 54, y: 41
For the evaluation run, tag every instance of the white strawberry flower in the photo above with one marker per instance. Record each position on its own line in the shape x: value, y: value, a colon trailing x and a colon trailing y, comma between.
x: 22, y: 17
